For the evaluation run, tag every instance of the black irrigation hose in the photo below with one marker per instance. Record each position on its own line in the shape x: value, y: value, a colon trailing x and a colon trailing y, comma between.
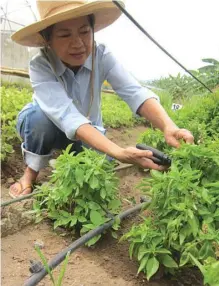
x: 37, y: 277
x: 19, y: 199
x: 156, y: 43
x: 29, y: 196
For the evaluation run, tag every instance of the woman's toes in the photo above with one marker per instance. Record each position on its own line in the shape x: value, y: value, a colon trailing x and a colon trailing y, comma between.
x: 20, y: 189
x: 16, y: 188
x: 26, y: 191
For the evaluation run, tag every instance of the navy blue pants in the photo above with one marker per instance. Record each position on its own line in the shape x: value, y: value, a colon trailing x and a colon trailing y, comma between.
x: 40, y: 135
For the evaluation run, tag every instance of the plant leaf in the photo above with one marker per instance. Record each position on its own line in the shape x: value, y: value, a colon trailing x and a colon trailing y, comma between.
x: 152, y: 267
x: 93, y: 240
x: 168, y: 261
x: 49, y: 271
x: 143, y: 263
x: 63, y: 269
x: 96, y: 218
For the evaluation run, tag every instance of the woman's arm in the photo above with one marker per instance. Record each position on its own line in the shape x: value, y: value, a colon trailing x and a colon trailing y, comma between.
x: 143, y: 101
x: 53, y: 99
x: 88, y: 134
x: 155, y: 113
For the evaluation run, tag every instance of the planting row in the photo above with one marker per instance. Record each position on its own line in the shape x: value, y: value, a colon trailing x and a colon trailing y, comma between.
x: 180, y: 227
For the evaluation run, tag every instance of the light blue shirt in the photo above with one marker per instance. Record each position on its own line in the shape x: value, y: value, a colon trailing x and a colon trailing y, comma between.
x: 56, y: 100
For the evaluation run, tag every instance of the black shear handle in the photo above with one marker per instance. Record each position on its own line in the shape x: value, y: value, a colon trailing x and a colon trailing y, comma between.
x: 158, y: 157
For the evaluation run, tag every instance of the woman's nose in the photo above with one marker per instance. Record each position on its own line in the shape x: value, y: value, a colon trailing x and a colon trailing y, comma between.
x: 76, y: 42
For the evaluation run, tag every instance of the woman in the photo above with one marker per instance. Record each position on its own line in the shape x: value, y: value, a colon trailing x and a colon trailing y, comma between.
x: 67, y: 76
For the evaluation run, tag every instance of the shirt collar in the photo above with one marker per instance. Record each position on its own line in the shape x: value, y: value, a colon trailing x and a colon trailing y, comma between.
x: 60, y: 67
x: 88, y: 63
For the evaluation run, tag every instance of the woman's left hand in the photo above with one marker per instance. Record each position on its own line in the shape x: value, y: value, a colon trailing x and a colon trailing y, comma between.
x: 174, y: 134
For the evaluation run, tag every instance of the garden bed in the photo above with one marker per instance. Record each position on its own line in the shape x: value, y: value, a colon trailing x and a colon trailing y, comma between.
x: 107, y: 263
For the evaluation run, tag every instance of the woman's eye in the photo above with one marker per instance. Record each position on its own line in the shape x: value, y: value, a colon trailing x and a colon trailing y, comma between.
x: 64, y: 36
x: 84, y: 32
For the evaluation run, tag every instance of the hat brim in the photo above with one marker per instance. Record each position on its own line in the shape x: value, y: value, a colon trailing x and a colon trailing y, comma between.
x: 106, y: 12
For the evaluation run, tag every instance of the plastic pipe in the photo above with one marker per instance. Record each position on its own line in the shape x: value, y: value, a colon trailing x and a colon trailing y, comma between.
x: 37, y: 277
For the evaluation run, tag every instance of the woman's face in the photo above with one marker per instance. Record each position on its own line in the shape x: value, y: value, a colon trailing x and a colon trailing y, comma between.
x: 72, y: 41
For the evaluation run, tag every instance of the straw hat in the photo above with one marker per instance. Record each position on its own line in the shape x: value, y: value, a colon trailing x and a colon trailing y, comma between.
x: 51, y: 12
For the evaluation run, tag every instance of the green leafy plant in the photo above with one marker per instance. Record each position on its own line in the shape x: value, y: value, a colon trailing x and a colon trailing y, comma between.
x: 210, y: 270
x: 12, y: 101
x: 49, y: 271
x: 184, y: 86
x: 116, y: 112
x: 14, y: 96
x: 81, y: 193
x: 183, y: 217
x: 200, y: 115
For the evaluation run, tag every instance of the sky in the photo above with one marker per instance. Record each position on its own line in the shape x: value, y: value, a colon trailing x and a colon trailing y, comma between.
x: 187, y: 29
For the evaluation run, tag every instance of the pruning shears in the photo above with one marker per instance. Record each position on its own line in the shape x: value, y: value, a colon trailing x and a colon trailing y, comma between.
x: 158, y: 157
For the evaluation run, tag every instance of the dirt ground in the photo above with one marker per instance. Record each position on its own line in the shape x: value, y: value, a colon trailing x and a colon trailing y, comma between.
x: 107, y: 263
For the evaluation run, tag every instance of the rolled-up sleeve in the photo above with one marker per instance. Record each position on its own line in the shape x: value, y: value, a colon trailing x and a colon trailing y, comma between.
x: 124, y: 84
x: 53, y: 99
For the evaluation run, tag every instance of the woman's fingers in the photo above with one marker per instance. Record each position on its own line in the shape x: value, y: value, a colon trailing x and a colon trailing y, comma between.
x: 172, y: 136
x: 143, y: 153
x: 149, y: 164
x: 141, y: 158
x: 186, y: 135
x: 172, y: 141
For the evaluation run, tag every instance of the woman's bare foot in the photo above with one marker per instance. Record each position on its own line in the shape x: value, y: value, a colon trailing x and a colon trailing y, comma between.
x: 24, y: 185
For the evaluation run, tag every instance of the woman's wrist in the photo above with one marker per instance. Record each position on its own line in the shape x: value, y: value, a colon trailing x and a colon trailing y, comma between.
x: 170, y: 125
x: 116, y: 152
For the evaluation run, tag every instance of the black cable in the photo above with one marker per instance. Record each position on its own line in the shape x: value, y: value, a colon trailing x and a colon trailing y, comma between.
x: 156, y: 43
x: 37, y: 277
x: 19, y: 199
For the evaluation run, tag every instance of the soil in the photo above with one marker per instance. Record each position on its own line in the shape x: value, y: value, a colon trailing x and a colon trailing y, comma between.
x: 107, y: 263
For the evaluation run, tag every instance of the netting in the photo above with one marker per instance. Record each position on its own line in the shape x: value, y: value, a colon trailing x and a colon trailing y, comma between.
x: 14, y: 16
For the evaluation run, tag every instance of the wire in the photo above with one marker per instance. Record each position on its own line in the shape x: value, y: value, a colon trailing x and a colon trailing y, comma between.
x: 6, y: 19
x: 156, y: 43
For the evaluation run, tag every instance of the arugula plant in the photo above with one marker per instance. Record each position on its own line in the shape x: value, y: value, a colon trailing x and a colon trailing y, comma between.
x: 81, y: 193
x: 12, y: 101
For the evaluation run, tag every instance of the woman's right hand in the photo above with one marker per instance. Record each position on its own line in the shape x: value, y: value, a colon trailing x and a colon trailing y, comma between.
x: 138, y: 157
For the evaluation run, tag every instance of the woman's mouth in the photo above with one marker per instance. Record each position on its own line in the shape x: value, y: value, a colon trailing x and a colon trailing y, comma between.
x: 78, y: 55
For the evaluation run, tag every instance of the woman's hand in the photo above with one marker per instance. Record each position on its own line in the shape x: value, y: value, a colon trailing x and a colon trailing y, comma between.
x: 174, y: 134
x: 138, y: 157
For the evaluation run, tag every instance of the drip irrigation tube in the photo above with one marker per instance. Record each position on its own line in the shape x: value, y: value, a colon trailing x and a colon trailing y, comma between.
x: 156, y: 43
x: 37, y: 277
x: 19, y: 199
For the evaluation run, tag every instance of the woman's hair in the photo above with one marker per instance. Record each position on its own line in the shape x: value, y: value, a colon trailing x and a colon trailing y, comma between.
x: 91, y: 20
x: 47, y: 32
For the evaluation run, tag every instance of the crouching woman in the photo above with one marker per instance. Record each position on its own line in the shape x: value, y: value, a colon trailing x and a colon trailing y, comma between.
x: 66, y: 76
